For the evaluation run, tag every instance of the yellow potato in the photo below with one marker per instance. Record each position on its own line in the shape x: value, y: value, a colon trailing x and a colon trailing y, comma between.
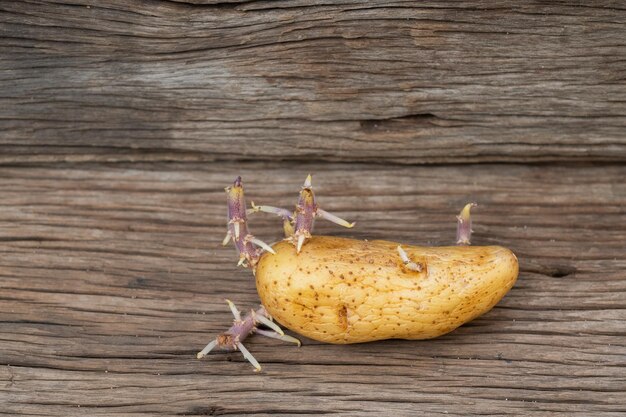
x: 339, y: 290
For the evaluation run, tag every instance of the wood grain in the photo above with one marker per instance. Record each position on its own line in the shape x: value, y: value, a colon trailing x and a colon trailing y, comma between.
x: 122, y: 121
x: 403, y: 82
x: 112, y: 277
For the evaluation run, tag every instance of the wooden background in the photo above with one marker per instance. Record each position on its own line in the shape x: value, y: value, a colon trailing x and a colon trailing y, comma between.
x: 121, y: 122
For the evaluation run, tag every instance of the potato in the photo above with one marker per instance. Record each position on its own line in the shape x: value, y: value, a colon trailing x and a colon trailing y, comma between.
x: 339, y: 290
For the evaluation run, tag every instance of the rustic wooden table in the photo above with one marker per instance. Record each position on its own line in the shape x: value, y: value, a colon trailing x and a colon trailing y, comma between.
x: 122, y: 121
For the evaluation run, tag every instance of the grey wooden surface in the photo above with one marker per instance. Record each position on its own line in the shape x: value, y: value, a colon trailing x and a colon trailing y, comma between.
x: 121, y: 122
x: 114, y: 276
x: 402, y: 82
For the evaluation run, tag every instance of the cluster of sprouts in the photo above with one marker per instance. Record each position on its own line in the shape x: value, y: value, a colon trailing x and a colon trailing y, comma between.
x: 298, y: 227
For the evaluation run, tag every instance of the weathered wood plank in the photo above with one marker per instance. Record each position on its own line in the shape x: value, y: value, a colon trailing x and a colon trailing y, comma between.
x: 112, y: 277
x: 407, y: 82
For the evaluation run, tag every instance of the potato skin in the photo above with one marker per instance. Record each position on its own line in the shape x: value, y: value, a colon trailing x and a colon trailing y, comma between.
x: 342, y: 291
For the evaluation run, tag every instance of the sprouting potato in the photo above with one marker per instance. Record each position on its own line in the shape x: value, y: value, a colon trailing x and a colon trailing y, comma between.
x: 349, y: 291
x: 340, y: 290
